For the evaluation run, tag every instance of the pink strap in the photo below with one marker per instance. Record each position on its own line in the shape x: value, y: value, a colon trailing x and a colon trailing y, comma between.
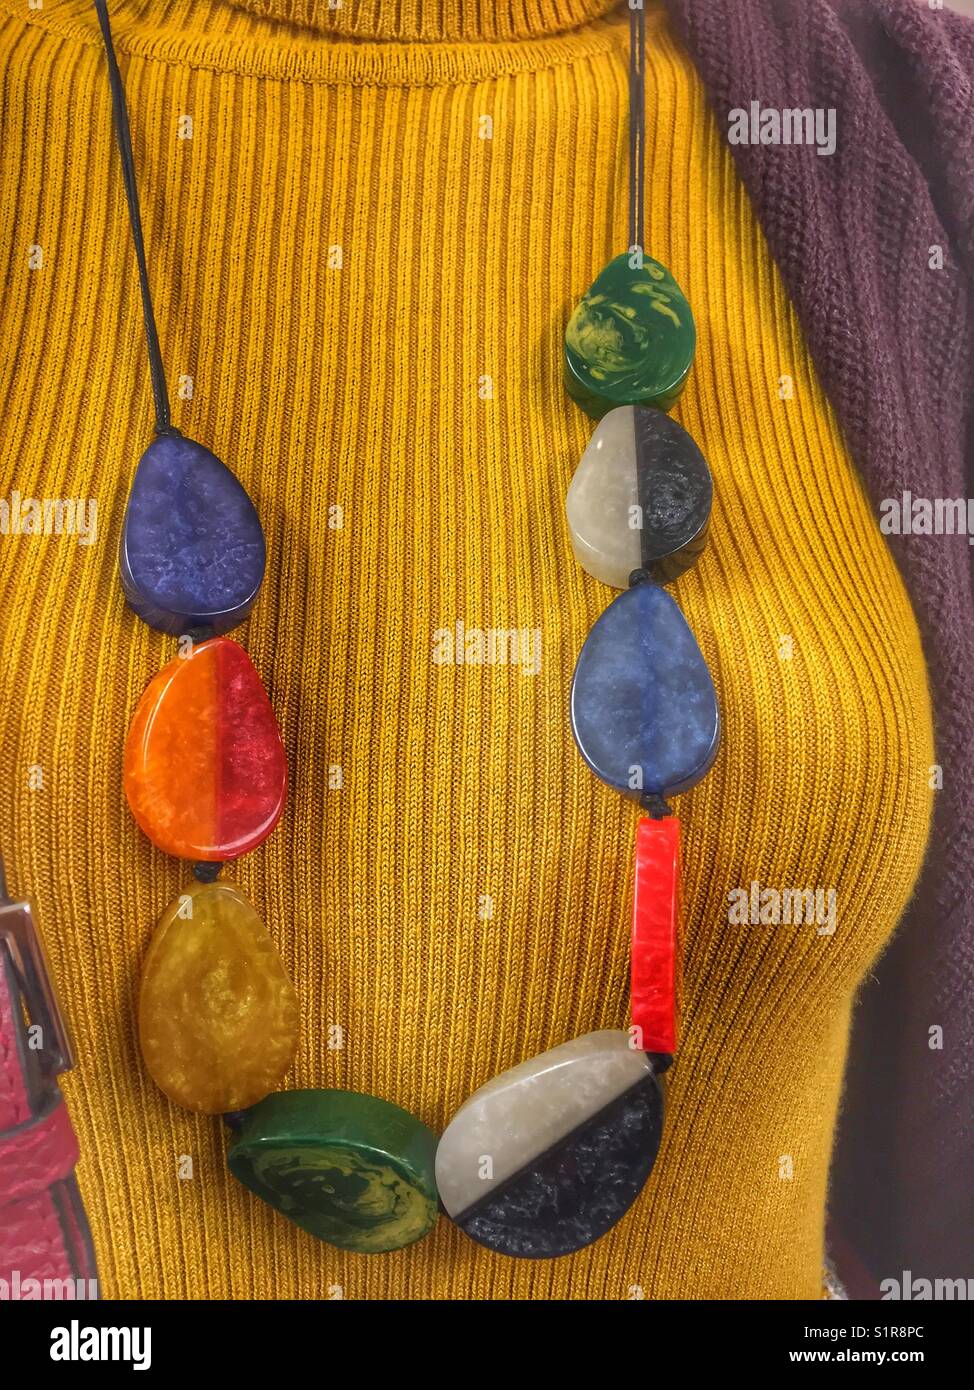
x: 37, y: 1154
x: 14, y: 1103
x: 44, y: 1237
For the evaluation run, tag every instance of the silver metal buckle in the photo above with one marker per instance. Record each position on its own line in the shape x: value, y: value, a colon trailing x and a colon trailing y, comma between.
x: 20, y: 934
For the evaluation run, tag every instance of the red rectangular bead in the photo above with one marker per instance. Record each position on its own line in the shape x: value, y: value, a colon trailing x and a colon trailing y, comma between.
x: 657, y: 935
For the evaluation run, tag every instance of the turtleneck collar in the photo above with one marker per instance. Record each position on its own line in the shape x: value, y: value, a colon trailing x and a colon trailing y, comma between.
x: 367, y: 43
x: 432, y: 21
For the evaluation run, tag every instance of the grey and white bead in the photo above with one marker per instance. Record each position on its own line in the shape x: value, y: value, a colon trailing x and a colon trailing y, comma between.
x: 640, y: 498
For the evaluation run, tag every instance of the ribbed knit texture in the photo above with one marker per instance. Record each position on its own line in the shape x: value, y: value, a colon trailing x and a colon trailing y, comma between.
x: 893, y: 339
x: 364, y: 388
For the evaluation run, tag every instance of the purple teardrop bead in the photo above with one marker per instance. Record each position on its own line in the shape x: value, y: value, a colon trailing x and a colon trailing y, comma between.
x: 192, y: 551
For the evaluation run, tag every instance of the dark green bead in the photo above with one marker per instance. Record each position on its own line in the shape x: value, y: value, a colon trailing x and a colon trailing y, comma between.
x: 630, y: 340
x: 348, y: 1168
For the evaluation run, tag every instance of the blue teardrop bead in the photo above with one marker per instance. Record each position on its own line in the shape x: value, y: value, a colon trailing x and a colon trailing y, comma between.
x: 192, y: 551
x: 642, y: 698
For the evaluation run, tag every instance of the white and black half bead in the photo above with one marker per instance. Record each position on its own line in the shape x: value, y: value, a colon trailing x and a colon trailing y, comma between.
x: 546, y: 1157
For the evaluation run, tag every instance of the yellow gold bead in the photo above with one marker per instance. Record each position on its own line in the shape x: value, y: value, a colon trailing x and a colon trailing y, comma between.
x: 218, y: 1016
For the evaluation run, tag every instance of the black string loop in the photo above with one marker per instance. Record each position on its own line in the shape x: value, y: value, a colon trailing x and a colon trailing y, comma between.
x: 637, y: 121
x: 123, y: 138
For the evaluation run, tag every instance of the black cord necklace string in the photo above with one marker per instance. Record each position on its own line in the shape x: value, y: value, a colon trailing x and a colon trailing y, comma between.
x: 637, y: 120
x: 123, y: 137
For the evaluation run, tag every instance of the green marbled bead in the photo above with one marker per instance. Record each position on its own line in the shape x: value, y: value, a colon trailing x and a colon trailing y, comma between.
x: 630, y: 340
x: 348, y: 1168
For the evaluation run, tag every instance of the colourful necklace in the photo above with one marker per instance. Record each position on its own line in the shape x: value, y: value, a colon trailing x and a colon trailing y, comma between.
x: 546, y: 1157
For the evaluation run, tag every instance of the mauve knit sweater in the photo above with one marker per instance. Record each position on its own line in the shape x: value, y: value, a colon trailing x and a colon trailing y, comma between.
x: 892, y: 340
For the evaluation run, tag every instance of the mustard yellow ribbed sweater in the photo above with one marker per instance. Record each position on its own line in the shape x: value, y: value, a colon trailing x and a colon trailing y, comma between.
x: 366, y: 228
